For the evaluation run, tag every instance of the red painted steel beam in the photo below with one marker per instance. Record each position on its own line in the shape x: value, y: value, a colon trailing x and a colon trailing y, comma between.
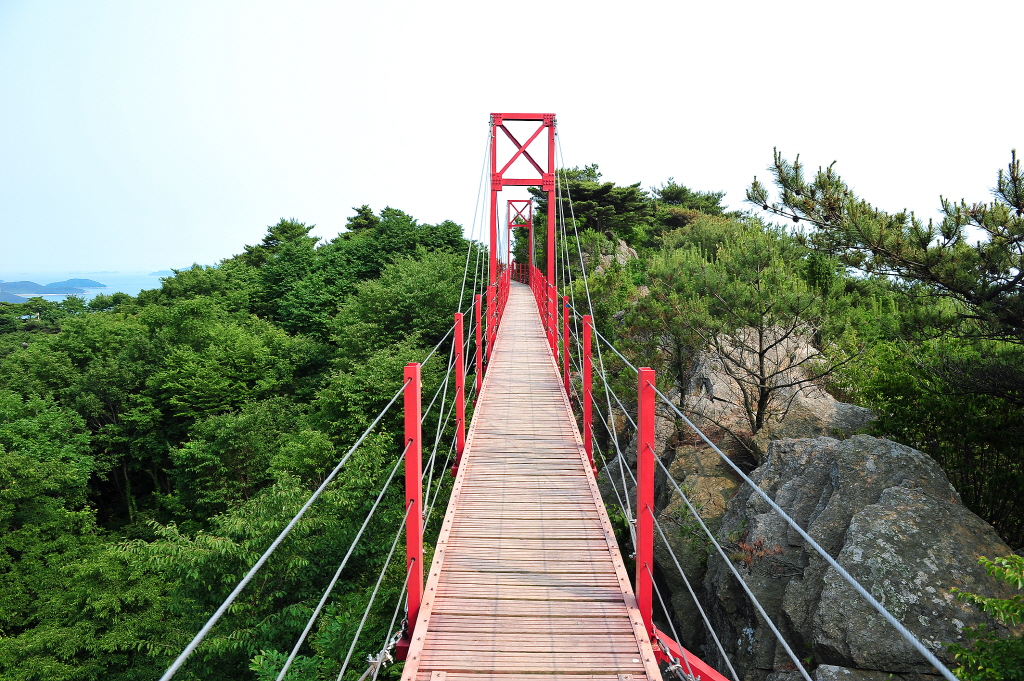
x: 460, y: 392
x: 645, y: 496
x: 552, y: 277
x: 521, y: 149
x: 669, y: 651
x: 521, y: 117
x: 588, y: 393
x: 546, y: 181
x: 477, y: 305
x: 506, y: 181
x: 565, y: 343
x: 413, y: 497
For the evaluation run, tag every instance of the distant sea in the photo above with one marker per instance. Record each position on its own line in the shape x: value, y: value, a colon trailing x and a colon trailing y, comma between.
x: 116, y: 282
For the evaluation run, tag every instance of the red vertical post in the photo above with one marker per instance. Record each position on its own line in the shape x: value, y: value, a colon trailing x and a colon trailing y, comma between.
x: 532, y: 256
x: 645, y: 495
x: 565, y: 343
x: 413, y: 492
x: 496, y: 184
x: 460, y: 391
x: 588, y: 394
x: 552, y: 227
x: 552, y: 319
x: 477, y: 304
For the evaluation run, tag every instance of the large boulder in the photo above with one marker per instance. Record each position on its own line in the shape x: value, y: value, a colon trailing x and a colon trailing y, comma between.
x: 719, y: 394
x: 814, y: 416
x: 892, y: 520
x: 620, y: 253
x: 709, y: 483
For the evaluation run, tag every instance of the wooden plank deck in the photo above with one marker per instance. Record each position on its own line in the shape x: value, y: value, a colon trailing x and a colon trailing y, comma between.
x: 527, y: 581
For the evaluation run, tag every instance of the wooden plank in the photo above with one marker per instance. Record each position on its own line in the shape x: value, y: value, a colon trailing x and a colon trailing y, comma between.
x: 494, y: 676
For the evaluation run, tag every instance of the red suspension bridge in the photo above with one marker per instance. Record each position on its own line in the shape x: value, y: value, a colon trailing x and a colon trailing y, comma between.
x: 527, y: 580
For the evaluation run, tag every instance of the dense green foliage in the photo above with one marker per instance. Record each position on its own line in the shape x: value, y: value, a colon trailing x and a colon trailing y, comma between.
x: 988, y: 657
x: 904, y: 318
x: 908, y: 319
x: 151, y: 447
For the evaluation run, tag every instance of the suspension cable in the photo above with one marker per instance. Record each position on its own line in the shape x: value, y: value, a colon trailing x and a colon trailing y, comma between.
x: 693, y: 595
x: 194, y: 643
x: 906, y: 633
x: 672, y: 626
x: 929, y: 656
x: 735, y: 572
x: 476, y: 207
x: 373, y: 596
x: 337, y: 573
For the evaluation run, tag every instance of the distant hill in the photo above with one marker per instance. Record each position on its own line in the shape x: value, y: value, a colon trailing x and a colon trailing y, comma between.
x: 33, y: 287
x: 162, y: 273
x: 84, y: 283
x: 9, y: 297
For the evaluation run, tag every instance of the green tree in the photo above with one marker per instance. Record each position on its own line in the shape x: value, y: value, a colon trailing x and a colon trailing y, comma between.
x: 985, y: 278
x: 746, y: 308
x: 622, y: 212
x: 278, y: 236
x: 989, y: 657
x: 676, y: 206
x: 44, y: 519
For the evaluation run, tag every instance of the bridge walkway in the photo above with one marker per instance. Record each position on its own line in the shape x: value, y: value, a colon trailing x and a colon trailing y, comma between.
x: 527, y: 581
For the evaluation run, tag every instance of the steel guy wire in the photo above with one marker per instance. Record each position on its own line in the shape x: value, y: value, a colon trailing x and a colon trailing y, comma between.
x: 735, y: 572
x: 693, y: 595
x: 373, y: 596
x: 583, y: 264
x: 393, y: 638
x: 437, y: 438
x: 450, y: 330
x: 623, y: 505
x: 590, y: 306
x: 194, y: 643
x: 622, y: 468
x: 337, y: 573
x: 632, y: 531
x: 610, y: 346
x: 476, y: 207
x: 390, y: 639
x: 625, y: 490
x: 570, y: 285
x: 444, y: 385
x: 572, y: 213
x: 440, y: 482
x: 572, y: 288
x: 906, y: 633
x: 668, y: 616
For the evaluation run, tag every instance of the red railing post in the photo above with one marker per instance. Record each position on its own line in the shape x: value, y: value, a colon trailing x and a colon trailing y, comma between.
x: 413, y: 497
x: 477, y: 304
x: 588, y: 394
x: 645, y: 496
x: 552, y: 320
x: 565, y: 343
x: 460, y: 392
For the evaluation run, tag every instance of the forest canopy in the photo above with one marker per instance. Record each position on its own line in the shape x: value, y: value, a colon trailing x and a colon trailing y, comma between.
x: 152, y: 446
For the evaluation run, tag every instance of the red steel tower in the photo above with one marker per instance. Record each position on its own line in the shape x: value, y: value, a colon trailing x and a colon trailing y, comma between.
x: 544, y: 177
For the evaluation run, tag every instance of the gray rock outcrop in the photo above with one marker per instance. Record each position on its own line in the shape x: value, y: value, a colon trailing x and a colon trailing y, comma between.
x: 892, y: 520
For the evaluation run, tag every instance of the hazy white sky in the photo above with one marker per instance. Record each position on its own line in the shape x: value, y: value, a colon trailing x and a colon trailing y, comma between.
x: 139, y: 135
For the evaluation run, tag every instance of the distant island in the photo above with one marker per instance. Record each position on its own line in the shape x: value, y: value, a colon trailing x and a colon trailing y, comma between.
x: 162, y: 273
x: 83, y: 283
x: 9, y: 290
